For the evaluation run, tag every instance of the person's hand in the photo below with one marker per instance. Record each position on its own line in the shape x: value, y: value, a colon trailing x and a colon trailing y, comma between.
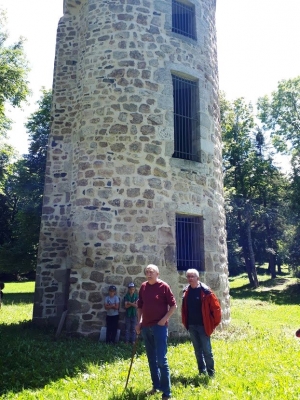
x: 138, y: 328
x: 162, y: 322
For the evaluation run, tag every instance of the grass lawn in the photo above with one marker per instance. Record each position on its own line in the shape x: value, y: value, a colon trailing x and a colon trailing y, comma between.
x: 257, y: 357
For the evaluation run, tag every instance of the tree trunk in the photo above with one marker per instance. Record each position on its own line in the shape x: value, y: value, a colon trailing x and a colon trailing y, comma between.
x: 246, y: 241
x: 248, y: 269
x: 251, y: 252
x: 279, y: 266
x: 272, y: 265
x: 271, y: 250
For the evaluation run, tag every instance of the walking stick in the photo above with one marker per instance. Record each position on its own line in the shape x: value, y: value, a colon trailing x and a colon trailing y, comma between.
x: 132, y: 357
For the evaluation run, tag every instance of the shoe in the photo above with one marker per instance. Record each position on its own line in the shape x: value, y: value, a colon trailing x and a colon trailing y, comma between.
x: 211, y: 374
x: 151, y: 392
x: 166, y: 398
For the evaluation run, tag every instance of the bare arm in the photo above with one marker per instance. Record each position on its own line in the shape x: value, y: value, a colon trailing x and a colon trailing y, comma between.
x: 139, y: 321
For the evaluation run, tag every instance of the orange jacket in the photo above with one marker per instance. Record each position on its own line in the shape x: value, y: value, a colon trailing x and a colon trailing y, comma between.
x: 210, y: 306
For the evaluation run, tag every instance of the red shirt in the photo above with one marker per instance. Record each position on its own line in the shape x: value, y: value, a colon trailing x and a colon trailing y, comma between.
x: 155, y: 301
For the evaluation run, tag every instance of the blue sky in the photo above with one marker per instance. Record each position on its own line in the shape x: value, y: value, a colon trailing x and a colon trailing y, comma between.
x: 258, y: 45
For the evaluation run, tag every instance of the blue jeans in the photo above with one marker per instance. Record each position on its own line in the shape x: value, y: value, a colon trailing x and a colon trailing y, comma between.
x: 155, y: 339
x: 202, y: 348
x: 130, y: 333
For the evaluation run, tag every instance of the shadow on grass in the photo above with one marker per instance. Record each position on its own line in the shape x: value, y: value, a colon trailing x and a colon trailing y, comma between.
x: 197, y: 380
x: 267, y: 291
x: 129, y: 394
x: 261, y: 271
x: 31, y: 357
x: 194, y: 381
x: 17, y: 298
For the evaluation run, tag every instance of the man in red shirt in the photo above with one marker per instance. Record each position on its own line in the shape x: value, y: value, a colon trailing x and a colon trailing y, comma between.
x: 156, y: 304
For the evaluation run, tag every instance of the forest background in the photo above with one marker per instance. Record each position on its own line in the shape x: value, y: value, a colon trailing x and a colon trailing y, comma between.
x: 262, y: 202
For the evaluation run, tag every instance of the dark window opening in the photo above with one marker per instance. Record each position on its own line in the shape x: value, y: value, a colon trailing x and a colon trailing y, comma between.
x: 186, y: 119
x: 183, y: 19
x: 189, y: 242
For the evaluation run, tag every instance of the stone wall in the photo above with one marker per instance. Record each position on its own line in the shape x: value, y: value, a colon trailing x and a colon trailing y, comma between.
x: 112, y: 188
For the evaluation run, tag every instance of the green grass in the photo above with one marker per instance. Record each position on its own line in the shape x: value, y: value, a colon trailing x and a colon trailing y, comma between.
x: 257, y: 357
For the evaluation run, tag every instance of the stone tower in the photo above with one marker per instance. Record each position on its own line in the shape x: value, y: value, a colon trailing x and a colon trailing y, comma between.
x: 134, y: 172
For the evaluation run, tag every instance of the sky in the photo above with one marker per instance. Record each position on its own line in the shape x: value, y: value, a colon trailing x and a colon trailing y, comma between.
x: 258, y: 45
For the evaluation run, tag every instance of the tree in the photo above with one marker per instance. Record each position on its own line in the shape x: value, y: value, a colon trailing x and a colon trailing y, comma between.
x: 13, y: 91
x: 253, y: 189
x: 6, y: 157
x: 23, y: 190
x: 38, y: 129
x: 280, y: 114
x: 236, y: 123
x: 13, y: 75
x: 17, y: 253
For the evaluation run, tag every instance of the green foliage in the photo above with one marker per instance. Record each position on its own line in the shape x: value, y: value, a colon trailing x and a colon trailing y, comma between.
x: 13, y: 90
x: 281, y: 114
x: 257, y: 195
x: 38, y: 129
x: 6, y: 158
x: 22, y: 198
x: 294, y: 252
x: 257, y: 356
x: 13, y: 75
x: 18, y: 251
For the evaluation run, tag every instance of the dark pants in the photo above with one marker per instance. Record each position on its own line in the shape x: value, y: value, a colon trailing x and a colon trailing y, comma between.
x: 202, y: 348
x: 130, y: 334
x: 111, y: 328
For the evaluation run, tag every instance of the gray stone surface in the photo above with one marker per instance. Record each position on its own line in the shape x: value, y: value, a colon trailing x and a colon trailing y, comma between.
x: 112, y: 187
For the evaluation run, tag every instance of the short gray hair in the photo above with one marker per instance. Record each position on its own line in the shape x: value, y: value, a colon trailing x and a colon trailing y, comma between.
x: 152, y: 266
x: 192, y: 271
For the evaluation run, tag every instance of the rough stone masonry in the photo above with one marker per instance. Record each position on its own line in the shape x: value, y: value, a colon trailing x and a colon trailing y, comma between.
x: 113, y: 186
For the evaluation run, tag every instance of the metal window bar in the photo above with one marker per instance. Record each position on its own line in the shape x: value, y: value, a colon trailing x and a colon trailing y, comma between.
x: 183, y: 19
x: 185, y: 98
x: 189, y: 242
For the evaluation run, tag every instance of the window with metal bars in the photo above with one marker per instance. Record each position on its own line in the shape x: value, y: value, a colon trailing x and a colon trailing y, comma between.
x: 183, y: 19
x: 186, y: 119
x: 189, y: 242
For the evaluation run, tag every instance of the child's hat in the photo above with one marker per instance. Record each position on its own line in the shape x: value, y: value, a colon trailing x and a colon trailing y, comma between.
x: 131, y: 284
x: 112, y: 287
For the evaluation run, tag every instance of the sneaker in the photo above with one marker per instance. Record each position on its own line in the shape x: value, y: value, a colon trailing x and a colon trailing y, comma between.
x: 151, y: 392
x: 166, y: 397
